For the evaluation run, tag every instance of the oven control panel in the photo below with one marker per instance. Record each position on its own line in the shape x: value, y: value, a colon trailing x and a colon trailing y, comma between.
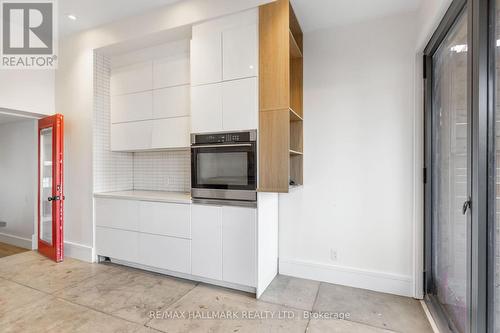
x: 232, y: 137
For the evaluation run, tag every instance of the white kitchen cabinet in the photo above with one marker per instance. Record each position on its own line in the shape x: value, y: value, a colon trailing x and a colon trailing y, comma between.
x: 131, y: 136
x: 173, y: 254
x: 117, y: 244
x: 172, y: 71
x: 131, y: 107
x: 240, y: 104
x: 171, y: 102
x: 206, y: 242
x: 226, y: 106
x: 206, y: 58
x: 132, y: 78
x: 239, y: 256
x: 206, y: 108
x: 167, y: 219
x: 118, y: 214
x: 240, y: 52
x: 171, y: 133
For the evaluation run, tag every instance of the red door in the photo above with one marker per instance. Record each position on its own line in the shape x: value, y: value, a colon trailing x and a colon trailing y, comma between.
x: 51, y: 187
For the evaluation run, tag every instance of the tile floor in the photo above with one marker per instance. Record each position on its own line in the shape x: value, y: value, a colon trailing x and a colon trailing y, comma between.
x: 37, y: 295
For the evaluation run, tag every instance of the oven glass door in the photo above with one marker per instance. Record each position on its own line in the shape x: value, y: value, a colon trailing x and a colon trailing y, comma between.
x: 230, y: 167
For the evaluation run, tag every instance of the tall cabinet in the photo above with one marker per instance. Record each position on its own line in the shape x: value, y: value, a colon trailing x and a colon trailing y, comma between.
x: 281, y: 98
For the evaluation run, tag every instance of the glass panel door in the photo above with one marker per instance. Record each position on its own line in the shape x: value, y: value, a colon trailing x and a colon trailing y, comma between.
x: 450, y: 160
x: 51, y: 194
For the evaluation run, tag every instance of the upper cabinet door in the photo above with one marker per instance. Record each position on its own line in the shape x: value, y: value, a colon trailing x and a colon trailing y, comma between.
x: 131, y: 79
x: 240, y: 104
x: 169, y: 72
x: 240, y: 52
x: 171, y: 102
x: 206, y: 108
x: 206, y: 59
x: 131, y: 107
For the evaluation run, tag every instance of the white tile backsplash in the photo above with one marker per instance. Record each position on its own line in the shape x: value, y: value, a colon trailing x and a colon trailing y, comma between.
x: 119, y: 171
x: 162, y: 171
x: 113, y: 171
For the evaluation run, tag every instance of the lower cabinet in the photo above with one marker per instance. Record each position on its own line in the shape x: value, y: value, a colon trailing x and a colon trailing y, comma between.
x: 206, y: 241
x: 118, y: 244
x: 213, y: 242
x: 165, y: 252
x: 239, y: 252
x: 224, y: 243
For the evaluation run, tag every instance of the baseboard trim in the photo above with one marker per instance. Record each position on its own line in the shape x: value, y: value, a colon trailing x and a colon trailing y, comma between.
x: 25, y: 243
x: 348, y: 276
x: 79, y: 251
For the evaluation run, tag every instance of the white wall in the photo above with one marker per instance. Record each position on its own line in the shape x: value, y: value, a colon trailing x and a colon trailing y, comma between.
x: 358, y: 159
x: 18, y: 181
x: 28, y: 90
x: 74, y: 94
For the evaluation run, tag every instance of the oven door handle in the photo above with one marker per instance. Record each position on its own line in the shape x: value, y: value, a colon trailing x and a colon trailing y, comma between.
x: 221, y: 146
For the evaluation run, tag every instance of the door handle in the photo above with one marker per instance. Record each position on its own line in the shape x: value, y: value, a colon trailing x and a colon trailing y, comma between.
x: 54, y: 198
x: 467, y: 205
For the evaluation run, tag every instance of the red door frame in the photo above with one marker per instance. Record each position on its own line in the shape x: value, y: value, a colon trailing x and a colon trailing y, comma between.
x: 54, y: 251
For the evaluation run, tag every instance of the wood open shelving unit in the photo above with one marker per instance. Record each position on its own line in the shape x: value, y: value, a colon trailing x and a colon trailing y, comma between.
x: 281, y: 114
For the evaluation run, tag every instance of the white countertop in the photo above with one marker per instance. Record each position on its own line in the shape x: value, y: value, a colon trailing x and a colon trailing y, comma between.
x: 158, y: 196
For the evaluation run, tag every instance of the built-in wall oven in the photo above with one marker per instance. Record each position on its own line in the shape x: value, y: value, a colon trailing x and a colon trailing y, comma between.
x: 224, y: 168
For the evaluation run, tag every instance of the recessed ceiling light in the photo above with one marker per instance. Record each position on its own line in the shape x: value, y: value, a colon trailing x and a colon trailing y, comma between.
x: 72, y: 17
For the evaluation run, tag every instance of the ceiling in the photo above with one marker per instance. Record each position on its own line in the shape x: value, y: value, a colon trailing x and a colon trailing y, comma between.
x: 93, y: 13
x: 312, y: 14
x: 317, y: 14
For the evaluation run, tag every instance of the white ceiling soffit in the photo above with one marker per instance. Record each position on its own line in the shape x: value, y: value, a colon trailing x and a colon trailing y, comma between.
x: 93, y: 13
x: 318, y: 14
x: 9, y: 118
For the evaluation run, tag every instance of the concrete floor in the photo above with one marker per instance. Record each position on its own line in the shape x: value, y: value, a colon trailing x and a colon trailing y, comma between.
x: 37, y: 295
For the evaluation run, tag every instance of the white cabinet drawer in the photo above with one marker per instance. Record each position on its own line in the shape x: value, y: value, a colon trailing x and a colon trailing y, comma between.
x: 206, y: 243
x: 240, y: 52
x: 206, y: 58
x: 239, y: 229
x: 131, y: 136
x: 117, y: 213
x: 168, y: 72
x: 171, y: 102
x: 206, y: 108
x: 131, y: 107
x: 165, y: 252
x: 118, y: 244
x: 240, y: 104
x: 171, y: 133
x: 165, y: 219
x: 131, y: 79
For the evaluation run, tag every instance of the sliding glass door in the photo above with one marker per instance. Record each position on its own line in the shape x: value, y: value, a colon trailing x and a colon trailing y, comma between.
x: 450, y: 160
x: 462, y: 163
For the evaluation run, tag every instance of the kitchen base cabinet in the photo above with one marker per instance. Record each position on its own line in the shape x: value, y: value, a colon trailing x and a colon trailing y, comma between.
x: 117, y: 214
x: 118, y: 244
x: 239, y: 250
x: 206, y: 244
x: 168, y: 253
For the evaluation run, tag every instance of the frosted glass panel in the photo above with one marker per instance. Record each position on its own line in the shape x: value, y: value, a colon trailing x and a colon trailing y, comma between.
x: 46, y: 185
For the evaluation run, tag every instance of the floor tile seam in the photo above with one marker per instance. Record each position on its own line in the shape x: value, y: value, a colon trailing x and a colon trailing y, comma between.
x: 99, y: 311
x: 173, y: 303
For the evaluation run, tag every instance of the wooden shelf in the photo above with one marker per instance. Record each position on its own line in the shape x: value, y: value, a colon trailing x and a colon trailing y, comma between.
x: 295, y: 51
x: 294, y: 116
x: 280, y: 98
